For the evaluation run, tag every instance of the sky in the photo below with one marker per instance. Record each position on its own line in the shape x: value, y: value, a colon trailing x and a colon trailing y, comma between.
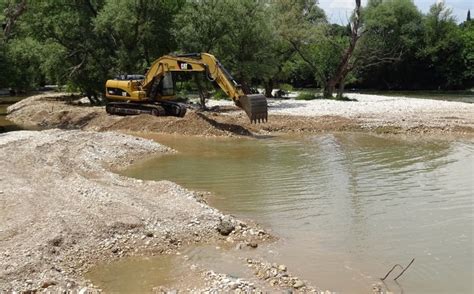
x: 338, y: 11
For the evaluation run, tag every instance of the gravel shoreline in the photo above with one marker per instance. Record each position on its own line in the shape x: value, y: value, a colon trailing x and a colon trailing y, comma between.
x: 376, y: 111
x: 62, y: 210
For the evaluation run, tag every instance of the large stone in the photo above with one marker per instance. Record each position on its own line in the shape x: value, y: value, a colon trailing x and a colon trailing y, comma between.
x: 225, y: 227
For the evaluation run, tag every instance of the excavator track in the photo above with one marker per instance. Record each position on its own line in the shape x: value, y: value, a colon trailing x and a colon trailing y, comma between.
x: 173, y: 108
x: 124, y: 108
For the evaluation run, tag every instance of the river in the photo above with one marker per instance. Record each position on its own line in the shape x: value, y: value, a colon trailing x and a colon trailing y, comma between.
x: 347, y: 207
x: 5, y: 124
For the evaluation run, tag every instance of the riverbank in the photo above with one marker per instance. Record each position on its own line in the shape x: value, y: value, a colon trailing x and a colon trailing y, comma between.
x: 370, y: 113
x: 62, y: 210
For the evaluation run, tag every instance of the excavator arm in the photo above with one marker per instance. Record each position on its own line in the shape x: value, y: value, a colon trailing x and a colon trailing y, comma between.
x: 254, y: 105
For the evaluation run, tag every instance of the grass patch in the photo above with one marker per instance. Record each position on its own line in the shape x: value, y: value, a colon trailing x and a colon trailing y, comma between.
x: 345, y: 98
x: 307, y: 96
x: 317, y: 95
x: 220, y: 95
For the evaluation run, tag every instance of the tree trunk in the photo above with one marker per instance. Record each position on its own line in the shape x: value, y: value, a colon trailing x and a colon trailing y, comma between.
x: 12, y: 13
x: 245, y: 87
x: 340, y: 89
x: 202, y: 93
x: 344, y: 66
x: 329, y: 89
x: 269, y: 88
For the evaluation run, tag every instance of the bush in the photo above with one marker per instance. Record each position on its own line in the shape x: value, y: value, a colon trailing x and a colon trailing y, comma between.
x: 306, y: 96
x: 286, y: 87
x: 220, y: 95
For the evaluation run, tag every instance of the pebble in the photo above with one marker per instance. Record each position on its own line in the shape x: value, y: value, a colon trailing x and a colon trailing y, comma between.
x: 298, y: 284
x: 47, y: 283
x: 149, y: 234
x: 253, y: 244
x: 282, y: 268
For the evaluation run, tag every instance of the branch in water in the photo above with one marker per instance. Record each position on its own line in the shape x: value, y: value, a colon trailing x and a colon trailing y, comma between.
x: 383, y: 279
x: 403, y: 270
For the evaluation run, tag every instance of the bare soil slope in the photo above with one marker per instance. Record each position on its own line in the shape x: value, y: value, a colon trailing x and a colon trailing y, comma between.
x: 51, y: 111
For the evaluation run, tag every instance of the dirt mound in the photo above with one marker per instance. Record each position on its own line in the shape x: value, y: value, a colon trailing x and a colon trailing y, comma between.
x: 53, y: 111
x: 194, y: 123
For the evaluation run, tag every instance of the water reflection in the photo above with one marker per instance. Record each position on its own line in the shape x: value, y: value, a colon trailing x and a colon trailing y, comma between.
x: 5, y: 124
x: 347, y: 206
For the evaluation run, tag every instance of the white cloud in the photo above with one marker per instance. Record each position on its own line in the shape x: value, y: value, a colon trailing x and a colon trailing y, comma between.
x: 339, y: 11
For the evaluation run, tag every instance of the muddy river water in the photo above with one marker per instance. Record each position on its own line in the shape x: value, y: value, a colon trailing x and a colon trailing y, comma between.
x: 5, y: 124
x: 345, y: 206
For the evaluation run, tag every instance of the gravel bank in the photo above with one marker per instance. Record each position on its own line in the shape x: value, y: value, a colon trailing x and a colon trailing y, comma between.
x: 375, y: 111
x: 394, y: 115
x: 62, y: 210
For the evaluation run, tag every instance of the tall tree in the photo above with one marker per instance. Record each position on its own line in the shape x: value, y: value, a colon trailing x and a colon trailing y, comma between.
x: 237, y: 32
x: 201, y: 24
x: 137, y: 31
x: 325, y: 50
x: 12, y: 11
x: 443, y: 47
x: 387, y: 56
x: 70, y: 26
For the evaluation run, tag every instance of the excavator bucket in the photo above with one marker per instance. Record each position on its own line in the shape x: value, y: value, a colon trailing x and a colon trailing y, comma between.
x: 255, y: 106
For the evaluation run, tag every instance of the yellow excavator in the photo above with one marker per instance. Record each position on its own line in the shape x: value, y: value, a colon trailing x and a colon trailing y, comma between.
x: 154, y: 92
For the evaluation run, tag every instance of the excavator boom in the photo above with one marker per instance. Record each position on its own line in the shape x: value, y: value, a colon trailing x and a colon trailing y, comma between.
x: 150, y: 89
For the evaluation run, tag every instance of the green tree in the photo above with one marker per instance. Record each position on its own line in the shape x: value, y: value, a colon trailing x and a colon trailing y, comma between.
x: 24, y: 61
x: 137, y: 31
x: 68, y: 28
x: 201, y: 24
x: 467, y: 38
x: 239, y: 33
x: 246, y: 49
x: 326, y: 49
x: 387, y: 56
x: 443, y: 47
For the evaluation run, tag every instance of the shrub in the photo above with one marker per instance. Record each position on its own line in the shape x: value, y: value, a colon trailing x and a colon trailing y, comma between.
x: 220, y: 95
x: 286, y: 87
x: 306, y: 96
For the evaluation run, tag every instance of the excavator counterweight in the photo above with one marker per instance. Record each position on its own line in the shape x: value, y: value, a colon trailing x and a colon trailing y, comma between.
x: 155, y: 91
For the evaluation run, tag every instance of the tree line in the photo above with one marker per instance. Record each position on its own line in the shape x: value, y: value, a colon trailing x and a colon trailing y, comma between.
x: 387, y: 44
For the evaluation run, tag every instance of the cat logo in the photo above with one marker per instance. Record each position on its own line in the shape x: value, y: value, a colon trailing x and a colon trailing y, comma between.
x: 184, y: 66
